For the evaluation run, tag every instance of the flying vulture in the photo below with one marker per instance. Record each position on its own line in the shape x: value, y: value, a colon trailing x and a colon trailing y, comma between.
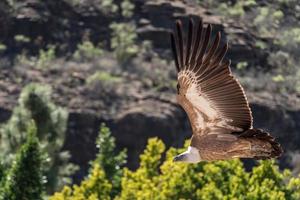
x: 214, y: 101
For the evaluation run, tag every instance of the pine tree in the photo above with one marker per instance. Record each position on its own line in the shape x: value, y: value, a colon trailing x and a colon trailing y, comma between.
x: 24, y: 180
x: 104, y: 179
x: 51, y: 121
x: 110, y: 161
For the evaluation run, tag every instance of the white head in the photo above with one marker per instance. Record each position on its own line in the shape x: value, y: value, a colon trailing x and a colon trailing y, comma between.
x: 190, y: 156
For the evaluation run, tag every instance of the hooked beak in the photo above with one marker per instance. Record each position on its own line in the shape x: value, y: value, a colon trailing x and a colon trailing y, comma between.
x: 179, y: 158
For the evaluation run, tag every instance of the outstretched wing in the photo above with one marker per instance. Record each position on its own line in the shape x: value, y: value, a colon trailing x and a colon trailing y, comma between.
x: 213, y: 99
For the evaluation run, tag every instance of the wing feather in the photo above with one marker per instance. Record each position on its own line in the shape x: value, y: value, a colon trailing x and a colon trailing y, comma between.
x: 208, y: 92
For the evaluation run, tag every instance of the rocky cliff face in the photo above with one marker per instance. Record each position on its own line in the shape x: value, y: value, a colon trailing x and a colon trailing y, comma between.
x: 132, y: 109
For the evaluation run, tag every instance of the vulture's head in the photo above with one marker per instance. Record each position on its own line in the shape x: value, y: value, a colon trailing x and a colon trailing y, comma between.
x: 190, y: 156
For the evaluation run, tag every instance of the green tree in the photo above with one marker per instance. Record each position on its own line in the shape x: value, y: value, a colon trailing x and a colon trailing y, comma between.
x: 35, y: 104
x: 24, y: 180
x: 111, y: 162
x: 104, y: 179
x: 95, y: 187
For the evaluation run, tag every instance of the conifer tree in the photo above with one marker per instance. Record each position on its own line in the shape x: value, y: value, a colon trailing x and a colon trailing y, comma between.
x: 24, y: 180
x: 110, y: 161
x: 35, y: 104
x: 104, y: 179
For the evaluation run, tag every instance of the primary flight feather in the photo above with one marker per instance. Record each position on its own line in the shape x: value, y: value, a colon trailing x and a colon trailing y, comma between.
x: 214, y: 101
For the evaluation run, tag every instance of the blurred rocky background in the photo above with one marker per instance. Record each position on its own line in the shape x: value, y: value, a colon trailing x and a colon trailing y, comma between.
x: 110, y: 61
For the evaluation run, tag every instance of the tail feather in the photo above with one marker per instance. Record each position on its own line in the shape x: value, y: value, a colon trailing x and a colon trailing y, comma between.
x: 260, y: 137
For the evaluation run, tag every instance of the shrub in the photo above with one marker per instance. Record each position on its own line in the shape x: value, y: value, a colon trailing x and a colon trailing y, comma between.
x: 108, y: 7
x: 289, y: 39
x: 2, y: 48
x: 267, y: 21
x: 127, y: 8
x: 104, y: 78
x: 45, y: 57
x: 21, y: 39
x: 124, y: 35
x: 87, y: 51
x: 123, y: 41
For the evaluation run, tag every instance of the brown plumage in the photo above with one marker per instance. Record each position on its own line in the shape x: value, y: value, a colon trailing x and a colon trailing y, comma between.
x: 214, y: 100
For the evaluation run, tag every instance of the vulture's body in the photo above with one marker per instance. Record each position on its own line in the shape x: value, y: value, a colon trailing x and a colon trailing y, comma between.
x: 214, y: 101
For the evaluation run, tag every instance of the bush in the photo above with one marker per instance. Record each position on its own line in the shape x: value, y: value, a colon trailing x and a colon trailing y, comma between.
x: 108, y: 7
x: 124, y: 35
x: 41, y: 61
x: 104, y: 78
x: 267, y: 21
x: 87, y: 51
x: 127, y: 8
x: 123, y: 41
x: 2, y: 48
x: 25, y: 178
x: 45, y: 57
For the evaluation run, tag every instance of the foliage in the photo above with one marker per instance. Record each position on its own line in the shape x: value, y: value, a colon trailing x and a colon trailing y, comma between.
x: 95, y: 187
x: 276, y: 25
x: 214, y: 180
x: 241, y: 65
x: 159, y: 178
x: 25, y: 178
x: 108, y: 6
x: 110, y: 161
x: 290, y: 38
x: 103, y: 77
x: 267, y: 21
x: 123, y: 41
x: 87, y: 51
x: 42, y: 60
x: 35, y: 104
x: 127, y: 8
x: 21, y: 39
x: 2, y: 47
x: 124, y: 35
x: 45, y: 57
x: 229, y: 9
x: 104, y: 179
